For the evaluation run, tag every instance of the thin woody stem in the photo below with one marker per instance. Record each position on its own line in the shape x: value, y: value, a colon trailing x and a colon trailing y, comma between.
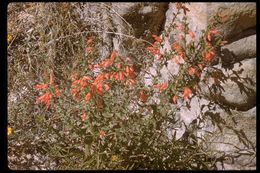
x: 85, y: 32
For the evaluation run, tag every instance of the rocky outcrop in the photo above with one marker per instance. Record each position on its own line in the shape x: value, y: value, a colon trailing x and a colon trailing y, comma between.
x: 242, y: 49
x: 237, y: 140
x: 142, y: 19
x: 124, y: 23
x: 238, y: 20
x: 117, y: 23
x: 238, y: 91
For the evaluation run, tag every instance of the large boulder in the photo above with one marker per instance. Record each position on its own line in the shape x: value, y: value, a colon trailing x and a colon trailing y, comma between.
x: 239, y: 89
x: 239, y: 50
x: 125, y: 24
x: 145, y: 18
x: 238, y: 19
x: 237, y: 140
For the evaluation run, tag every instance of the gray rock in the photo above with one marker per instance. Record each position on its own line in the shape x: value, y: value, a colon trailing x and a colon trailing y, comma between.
x: 238, y: 19
x: 239, y: 50
x: 239, y: 90
x: 237, y: 141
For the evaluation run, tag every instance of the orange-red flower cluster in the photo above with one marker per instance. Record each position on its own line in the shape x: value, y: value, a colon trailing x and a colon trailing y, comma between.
x: 124, y: 74
x: 130, y: 82
x: 46, y: 98
x: 79, y: 85
x: 208, y: 56
x: 212, y: 33
x: 186, y: 93
x: 161, y: 87
x: 178, y: 49
x: 155, y: 48
x: 193, y: 71
x: 108, y: 62
x: 209, y: 52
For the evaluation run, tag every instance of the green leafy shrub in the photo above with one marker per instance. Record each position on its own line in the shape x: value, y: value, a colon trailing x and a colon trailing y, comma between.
x: 89, y: 113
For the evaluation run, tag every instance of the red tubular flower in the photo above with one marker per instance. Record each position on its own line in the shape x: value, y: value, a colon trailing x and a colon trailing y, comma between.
x: 116, y: 76
x: 222, y: 43
x: 177, y: 46
x: 86, y: 78
x: 178, y: 49
x: 99, y: 79
x: 157, y: 38
x: 41, y: 86
x: 107, y: 87
x: 113, y: 55
x: 106, y: 63
x: 129, y: 72
x: 107, y: 75
x: 51, y: 79
x: 191, y: 71
x: 84, y: 116
x: 121, y: 76
x: 200, y: 66
x: 211, y: 33
x: 161, y: 87
x: 186, y: 93
x: 102, y: 134
x: 45, y: 99
x: 118, y: 66
x: 143, y: 97
x: 174, y: 100
x: 76, y: 82
x: 83, y: 84
x: 98, y: 89
x: 214, y: 32
x: 74, y: 91
x: 192, y: 35
x: 153, y: 50
x: 197, y: 74
x: 57, y: 91
x: 130, y: 82
x: 88, y: 97
x: 208, y: 56
x: 91, y: 67
x: 89, y: 40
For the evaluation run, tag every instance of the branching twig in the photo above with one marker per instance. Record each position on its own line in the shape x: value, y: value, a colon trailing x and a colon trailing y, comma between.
x: 118, y: 15
x: 85, y: 32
